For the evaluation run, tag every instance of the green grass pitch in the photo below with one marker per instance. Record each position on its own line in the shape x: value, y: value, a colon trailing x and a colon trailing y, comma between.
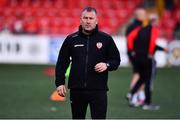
x: 25, y: 92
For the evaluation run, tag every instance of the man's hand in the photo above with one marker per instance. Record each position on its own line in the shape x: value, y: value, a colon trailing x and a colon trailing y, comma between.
x: 61, y: 90
x: 100, y: 67
x: 150, y: 56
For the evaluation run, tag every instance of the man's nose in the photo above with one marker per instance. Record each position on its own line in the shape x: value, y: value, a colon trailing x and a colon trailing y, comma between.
x: 88, y: 21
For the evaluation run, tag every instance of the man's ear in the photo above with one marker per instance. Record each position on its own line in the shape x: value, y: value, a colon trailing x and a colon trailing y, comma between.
x: 97, y: 21
x: 80, y: 21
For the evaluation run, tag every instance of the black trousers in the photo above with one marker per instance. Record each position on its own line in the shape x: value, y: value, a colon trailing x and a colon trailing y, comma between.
x: 146, y: 69
x: 80, y: 99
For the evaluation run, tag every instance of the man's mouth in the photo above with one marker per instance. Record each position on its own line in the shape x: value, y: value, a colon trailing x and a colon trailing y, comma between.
x: 87, y: 26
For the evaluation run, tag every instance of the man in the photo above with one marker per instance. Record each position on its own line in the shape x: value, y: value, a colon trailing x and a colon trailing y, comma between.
x: 142, y: 46
x: 93, y: 53
x: 139, y: 96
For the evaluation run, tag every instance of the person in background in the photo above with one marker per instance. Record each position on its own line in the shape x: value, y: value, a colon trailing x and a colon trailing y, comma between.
x: 139, y: 16
x: 141, y: 47
x: 93, y: 53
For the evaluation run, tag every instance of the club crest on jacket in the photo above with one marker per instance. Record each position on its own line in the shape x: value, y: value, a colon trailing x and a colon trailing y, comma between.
x: 99, y: 45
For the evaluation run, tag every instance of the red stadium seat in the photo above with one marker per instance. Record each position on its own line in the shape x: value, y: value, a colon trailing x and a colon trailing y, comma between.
x: 176, y: 15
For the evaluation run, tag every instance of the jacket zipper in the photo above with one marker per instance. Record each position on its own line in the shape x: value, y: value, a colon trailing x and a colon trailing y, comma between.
x: 87, y: 56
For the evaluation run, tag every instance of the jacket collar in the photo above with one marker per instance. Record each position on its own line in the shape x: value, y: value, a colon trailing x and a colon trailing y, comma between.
x: 137, y: 22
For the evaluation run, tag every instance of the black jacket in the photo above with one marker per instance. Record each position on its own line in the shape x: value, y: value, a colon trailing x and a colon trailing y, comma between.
x: 86, y: 52
x: 143, y: 43
x: 130, y: 28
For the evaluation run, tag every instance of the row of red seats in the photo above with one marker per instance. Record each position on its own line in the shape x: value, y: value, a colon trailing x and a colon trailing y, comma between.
x: 72, y: 3
x: 168, y: 22
x: 33, y: 15
x: 120, y: 13
x: 44, y: 24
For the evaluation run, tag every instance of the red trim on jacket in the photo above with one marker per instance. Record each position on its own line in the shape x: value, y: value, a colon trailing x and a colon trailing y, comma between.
x: 154, y: 36
x: 131, y: 37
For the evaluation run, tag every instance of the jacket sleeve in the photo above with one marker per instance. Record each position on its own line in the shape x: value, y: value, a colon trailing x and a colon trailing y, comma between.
x: 113, y: 56
x: 62, y: 63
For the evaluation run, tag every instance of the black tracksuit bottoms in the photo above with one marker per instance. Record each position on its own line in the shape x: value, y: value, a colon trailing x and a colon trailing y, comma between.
x: 80, y: 99
x: 146, y: 69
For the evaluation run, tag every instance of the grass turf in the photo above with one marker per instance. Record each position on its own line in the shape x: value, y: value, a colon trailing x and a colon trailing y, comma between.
x: 25, y: 92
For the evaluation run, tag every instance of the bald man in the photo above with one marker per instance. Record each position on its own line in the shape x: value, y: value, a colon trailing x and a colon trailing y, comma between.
x: 139, y: 96
x: 142, y: 47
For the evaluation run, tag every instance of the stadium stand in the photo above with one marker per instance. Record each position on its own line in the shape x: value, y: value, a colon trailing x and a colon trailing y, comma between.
x: 167, y: 23
x: 55, y: 16
x: 62, y: 16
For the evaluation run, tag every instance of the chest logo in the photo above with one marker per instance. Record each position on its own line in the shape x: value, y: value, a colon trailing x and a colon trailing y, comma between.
x: 79, y: 45
x: 99, y: 45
